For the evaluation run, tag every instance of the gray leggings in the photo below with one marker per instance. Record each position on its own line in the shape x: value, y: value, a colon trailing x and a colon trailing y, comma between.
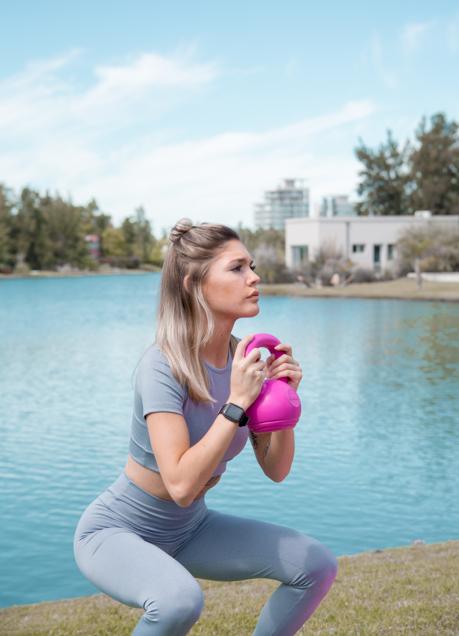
x: 145, y: 552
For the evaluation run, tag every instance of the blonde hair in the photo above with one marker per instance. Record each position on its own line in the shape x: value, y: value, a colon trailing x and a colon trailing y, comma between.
x: 184, y: 322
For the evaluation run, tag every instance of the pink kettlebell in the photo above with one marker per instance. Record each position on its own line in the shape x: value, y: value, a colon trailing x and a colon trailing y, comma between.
x: 277, y: 405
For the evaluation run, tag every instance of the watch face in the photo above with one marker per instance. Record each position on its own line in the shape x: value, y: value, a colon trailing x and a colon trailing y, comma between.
x: 233, y: 411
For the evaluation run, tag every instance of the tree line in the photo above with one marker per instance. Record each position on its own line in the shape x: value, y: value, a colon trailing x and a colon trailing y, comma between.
x: 44, y: 232
x: 47, y: 231
x: 421, y: 175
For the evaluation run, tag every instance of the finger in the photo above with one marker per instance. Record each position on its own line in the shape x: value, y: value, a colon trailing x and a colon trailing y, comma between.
x: 242, y: 345
x: 284, y: 347
x: 282, y: 368
x: 289, y: 373
x: 253, y: 356
x: 280, y: 360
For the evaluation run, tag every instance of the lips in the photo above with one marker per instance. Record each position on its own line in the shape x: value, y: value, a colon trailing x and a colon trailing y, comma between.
x: 254, y: 295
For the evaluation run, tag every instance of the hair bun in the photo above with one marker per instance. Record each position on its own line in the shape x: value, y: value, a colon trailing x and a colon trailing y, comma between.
x: 180, y: 228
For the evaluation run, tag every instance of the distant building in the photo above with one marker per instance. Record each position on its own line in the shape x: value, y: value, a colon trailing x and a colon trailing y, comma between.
x: 93, y: 243
x: 368, y: 241
x: 337, y: 205
x: 289, y: 200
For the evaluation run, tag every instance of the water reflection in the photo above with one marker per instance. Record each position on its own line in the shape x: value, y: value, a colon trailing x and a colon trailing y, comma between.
x: 376, y: 447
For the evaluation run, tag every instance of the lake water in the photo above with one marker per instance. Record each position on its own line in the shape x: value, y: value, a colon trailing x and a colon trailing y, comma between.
x: 377, y: 446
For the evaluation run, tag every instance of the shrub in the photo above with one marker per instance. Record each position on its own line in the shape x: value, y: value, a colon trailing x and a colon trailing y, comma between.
x: 271, y: 265
x: 362, y: 275
x: 437, y: 249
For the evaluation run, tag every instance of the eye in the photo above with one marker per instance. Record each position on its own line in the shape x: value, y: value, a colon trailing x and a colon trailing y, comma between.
x: 237, y: 269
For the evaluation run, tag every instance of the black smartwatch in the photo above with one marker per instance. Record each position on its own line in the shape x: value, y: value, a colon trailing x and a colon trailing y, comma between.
x: 234, y: 413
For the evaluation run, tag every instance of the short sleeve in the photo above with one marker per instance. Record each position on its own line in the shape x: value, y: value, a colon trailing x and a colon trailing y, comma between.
x: 157, y: 388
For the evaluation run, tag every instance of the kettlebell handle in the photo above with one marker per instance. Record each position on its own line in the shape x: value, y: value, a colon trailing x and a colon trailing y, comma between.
x: 269, y: 341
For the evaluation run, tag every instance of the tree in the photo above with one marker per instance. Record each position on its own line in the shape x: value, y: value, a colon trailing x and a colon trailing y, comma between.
x: 30, y: 231
x: 144, y: 239
x: 114, y: 244
x: 66, y: 231
x: 268, y: 249
x: 6, y: 221
x: 430, y: 248
x: 384, y: 178
x: 434, y: 167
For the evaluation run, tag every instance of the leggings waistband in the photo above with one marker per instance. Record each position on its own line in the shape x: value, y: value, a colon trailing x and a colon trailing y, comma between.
x: 125, y: 487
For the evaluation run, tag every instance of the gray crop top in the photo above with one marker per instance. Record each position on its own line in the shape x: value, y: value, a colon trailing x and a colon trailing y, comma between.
x: 156, y: 389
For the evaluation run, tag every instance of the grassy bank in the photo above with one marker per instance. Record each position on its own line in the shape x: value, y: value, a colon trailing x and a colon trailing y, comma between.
x: 402, y: 288
x: 109, y: 271
x: 410, y: 591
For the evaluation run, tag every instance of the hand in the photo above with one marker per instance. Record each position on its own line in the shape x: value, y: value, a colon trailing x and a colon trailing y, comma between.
x: 210, y: 484
x: 284, y: 366
x: 247, y: 374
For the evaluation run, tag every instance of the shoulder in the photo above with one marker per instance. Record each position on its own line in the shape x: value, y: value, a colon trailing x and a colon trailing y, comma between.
x: 154, y: 365
x: 153, y: 357
x: 154, y: 362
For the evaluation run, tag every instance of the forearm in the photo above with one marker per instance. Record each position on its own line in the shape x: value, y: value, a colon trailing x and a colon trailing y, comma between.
x: 279, y: 455
x: 197, y: 464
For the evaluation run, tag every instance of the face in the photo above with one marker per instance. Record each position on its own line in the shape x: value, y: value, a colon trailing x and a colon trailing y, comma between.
x: 231, y: 282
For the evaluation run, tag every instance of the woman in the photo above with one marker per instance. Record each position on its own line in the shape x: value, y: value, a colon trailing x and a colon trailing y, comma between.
x: 149, y: 534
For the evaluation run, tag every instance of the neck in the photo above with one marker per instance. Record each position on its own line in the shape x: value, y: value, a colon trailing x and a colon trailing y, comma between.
x: 216, y: 351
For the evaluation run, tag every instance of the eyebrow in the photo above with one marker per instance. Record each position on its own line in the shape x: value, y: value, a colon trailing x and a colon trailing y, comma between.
x: 241, y: 260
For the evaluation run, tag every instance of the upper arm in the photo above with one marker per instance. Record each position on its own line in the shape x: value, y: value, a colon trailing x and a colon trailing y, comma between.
x: 162, y: 401
x: 169, y: 440
x: 159, y: 390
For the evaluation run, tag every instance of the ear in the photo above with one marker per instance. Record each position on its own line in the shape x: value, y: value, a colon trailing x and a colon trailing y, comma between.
x: 186, y: 281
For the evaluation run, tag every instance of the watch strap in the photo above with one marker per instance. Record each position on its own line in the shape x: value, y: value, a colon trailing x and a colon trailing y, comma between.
x: 234, y: 413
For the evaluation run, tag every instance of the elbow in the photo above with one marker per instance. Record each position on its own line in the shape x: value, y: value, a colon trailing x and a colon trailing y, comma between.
x: 181, y: 497
x: 278, y: 477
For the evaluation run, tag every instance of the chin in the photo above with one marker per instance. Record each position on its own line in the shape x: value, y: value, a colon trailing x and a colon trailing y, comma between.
x: 251, y: 312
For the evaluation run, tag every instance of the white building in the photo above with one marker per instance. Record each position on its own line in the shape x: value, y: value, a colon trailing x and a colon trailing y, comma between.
x: 289, y: 200
x: 337, y: 205
x: 368, y: 241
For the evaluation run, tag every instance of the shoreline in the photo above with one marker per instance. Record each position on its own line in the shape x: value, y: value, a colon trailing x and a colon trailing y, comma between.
x: 399, y: 289
x: 77, y: 273
x: 406, y: 579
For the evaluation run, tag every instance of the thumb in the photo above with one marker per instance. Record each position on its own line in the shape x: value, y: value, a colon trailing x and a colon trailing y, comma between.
x: 242, y: 344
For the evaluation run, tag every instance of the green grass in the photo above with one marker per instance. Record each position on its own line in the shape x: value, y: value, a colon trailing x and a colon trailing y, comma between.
x: 409, y: 591
x: 402, y: 288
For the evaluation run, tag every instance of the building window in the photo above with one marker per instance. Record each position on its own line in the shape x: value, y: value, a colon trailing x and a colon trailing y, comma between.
x: 299, y: 255
x: 357, y: 248
x: 377, y: 249
x: 390, y: 251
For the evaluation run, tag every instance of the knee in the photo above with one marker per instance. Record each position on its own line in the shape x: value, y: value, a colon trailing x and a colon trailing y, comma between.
x: 320, y: 567
x: 179, y: 611
x: 328, y: 566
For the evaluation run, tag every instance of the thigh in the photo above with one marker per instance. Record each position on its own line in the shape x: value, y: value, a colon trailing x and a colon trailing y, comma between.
x: 228, y: 547
x: 131, y: 570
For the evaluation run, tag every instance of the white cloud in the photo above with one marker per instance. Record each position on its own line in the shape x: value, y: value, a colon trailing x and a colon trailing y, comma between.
x: 388, y: 77
x: 413, y: 35
x: 74, y: 140
x: 131, y: 81
x: 40, y: 96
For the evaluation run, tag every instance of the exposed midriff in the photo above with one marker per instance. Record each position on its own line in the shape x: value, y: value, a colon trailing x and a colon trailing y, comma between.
x: 152, y: 482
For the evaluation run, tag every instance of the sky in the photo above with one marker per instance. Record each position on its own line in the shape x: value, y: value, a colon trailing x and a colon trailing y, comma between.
x: 196, y: 108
